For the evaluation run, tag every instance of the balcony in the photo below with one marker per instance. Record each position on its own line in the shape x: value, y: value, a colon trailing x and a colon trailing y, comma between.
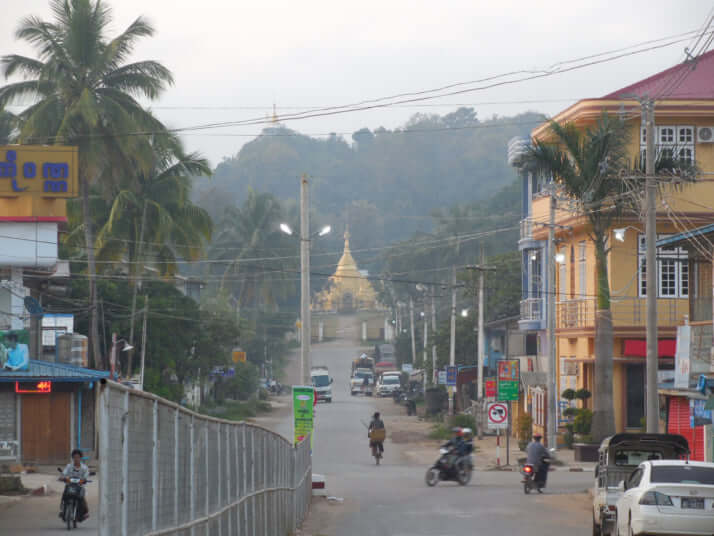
x: 532, y: 309
x: 580, y: 313
x: 526, y: 229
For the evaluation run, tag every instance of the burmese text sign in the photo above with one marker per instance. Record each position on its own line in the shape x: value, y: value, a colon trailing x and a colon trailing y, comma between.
x: 38, y: 171
x: 303, y: 416
x: 509, y: 377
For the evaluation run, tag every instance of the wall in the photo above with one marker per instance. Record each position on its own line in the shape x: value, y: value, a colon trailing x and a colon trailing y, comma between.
x: 167, y: 470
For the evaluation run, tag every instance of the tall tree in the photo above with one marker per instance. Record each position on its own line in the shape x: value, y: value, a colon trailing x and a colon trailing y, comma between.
x: 83, y: 92
x: 586, y: 165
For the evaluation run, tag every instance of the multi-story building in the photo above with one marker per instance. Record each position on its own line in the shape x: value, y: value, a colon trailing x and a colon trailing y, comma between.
x: 684, y: 117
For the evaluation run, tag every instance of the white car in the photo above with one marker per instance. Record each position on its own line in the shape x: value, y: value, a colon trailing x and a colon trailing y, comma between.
x: 388, y: 384
x: 667, y: 497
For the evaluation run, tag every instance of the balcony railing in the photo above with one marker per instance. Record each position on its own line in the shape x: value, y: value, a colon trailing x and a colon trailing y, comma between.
x: 580, y: 313
x: 526, y: 229
x: 532, y: 309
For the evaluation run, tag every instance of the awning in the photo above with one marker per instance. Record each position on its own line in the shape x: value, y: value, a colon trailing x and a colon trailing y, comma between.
x: 638, y: 347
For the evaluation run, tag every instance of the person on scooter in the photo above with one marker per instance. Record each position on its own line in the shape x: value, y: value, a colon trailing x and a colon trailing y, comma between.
x: 456, y: 445
x: 537, y: 455
x: 376, y: 424
x: 77, y: 469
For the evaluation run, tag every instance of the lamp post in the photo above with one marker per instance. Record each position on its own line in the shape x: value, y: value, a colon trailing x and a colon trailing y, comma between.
x: 305, y: 239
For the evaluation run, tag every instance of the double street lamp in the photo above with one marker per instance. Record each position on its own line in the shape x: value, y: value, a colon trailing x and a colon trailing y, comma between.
x: 305, y: 239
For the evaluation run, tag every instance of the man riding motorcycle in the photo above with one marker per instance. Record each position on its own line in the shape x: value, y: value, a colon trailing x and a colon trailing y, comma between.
x: 460, y: 444
x: 76, y: 469
x: 538, y: 456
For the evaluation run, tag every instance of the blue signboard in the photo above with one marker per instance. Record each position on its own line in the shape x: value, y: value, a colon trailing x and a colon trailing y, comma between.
x: 451, y: 373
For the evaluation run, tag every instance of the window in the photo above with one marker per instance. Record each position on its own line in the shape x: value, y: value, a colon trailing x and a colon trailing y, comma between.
x: 686, y: 135
x: 671, y: 142
x: 682, y: 474
x: 635, y: 479
x: 666, y: 135
x: 672, y: 271
x: 582, y: 270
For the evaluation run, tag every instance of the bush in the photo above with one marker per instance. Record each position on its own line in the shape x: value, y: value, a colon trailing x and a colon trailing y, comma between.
x: 569, y: 437
x: 443, y: 430
x: 568, y: 394
x: 570, y: 412
x: 583, y: 422
x: 582, y: 394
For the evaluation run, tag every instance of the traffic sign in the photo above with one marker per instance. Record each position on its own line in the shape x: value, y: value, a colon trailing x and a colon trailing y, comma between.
x: 451, y: 372
x: 497, y: 415
x: 407, y: 367
x: 442, y: 377
x: 239, y: 356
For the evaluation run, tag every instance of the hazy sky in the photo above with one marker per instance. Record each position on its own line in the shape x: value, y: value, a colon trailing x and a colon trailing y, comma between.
x: 232, y: 59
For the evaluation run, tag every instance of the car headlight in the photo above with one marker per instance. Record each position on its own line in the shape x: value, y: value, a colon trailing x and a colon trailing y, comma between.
x: 655, y: 498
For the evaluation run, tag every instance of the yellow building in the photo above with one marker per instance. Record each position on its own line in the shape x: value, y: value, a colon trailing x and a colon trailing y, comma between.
x: 684, y: 117
x: 348, y: 289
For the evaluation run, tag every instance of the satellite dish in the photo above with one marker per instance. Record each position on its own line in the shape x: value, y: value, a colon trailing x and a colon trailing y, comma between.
x: 33, y: 306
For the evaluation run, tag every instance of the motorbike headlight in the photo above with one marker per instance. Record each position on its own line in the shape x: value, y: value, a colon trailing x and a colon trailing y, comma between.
x: 443, y: 451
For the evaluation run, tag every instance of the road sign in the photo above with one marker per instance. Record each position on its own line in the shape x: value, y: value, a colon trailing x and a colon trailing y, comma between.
x: 491, y: 387
x: 442, y: 377
x: 451, y: 373
x: 497, y: 415
x: 239, y: 356
x: 508, y: 379
x: 407, y: 367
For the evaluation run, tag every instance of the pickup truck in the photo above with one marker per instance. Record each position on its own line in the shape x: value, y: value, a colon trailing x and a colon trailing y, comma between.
x: 357, y: 383
x: 618, y: 457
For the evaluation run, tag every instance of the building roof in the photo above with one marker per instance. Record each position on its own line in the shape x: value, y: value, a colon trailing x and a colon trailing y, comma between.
x: 688, y: 80
x: 686, y: 235
x: 56, y: 372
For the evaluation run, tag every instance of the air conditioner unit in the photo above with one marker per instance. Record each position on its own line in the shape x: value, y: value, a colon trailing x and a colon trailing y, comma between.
x: 705, y: 134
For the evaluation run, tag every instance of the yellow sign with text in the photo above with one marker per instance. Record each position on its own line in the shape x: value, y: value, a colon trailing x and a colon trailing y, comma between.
x: 49, y: 171
x: 239, y: 357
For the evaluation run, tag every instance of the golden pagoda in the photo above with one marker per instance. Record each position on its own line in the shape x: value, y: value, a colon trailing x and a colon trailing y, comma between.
x: 347, y: 289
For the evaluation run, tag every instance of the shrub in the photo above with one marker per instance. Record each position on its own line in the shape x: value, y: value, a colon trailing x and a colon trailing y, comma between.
x: 570, y: 412
x: 524, y: 427
x: 583, y: 422
x: 582, y: 394
x: 568, y: 394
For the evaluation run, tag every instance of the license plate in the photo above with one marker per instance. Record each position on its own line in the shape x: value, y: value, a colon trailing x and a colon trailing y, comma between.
x: 696, y: 503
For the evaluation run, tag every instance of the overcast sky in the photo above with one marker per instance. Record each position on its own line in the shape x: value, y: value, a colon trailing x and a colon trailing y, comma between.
x: 232, y: 59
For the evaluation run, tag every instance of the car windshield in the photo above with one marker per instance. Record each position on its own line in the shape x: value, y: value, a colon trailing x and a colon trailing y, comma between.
x: 390, y: 380
x: 682, y: 474
x: 635, y: 457
x: 363, y: 375
x: 321, y: 381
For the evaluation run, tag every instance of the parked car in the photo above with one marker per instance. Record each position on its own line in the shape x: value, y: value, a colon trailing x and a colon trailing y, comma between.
x: 388, y: 383
x: 618, y: 457
x: 667, y: 497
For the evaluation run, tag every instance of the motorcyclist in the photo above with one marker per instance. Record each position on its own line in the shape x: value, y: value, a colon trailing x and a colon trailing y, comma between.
x: 77, y: 469
x: 537, y: 456
x: 456, y: 445
x: 376, y: 424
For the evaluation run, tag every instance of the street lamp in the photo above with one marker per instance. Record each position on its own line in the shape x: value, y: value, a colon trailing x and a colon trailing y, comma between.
x: 464, y: 313
x: 305, y: 239
x: 560, y: 258
x: 620, y: 233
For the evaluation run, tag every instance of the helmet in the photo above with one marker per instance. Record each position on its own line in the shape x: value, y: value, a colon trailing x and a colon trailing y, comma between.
x: 467, y: 433
x: 457, y: 431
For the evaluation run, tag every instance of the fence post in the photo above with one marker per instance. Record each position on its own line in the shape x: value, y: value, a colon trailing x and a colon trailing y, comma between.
x: 155, y: 467
x: 206, y: 468
x: 192, y: 469
x: 125, y: 466
x: 252, y: 477
x: 245, y: 481
x: 219, y: 462
x: 177, y: 466
x: 104, y: 462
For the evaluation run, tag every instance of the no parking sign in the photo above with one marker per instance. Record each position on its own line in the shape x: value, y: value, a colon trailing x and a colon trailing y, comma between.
x: 497, y: 415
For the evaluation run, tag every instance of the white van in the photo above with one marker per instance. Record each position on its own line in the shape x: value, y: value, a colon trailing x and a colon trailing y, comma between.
x: 322, y: 383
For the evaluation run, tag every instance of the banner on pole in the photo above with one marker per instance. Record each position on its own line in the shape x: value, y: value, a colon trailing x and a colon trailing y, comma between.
x: 303, y: 412
x: 509, y: 376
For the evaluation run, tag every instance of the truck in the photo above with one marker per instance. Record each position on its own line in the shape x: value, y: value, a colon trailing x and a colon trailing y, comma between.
x: 322, y: 382
x: 358, y: 383
x: 362, y: 362
x: 389, y: 382
x: 618, y: 457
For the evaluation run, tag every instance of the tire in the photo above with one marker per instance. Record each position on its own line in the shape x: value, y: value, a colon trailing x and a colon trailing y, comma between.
x: 68, y: 514
x: 526, y: 487
x: 432, y: 477
x: 464, y: 476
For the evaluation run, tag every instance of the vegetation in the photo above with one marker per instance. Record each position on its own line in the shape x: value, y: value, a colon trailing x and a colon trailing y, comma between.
x: 524, y: 429
x: 445, y: 430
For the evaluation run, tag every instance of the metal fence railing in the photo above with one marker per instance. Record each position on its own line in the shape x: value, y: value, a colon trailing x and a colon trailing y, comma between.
x: 165, y: 470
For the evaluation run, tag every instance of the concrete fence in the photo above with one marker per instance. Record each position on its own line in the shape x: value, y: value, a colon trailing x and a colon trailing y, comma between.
x: 165, y: 470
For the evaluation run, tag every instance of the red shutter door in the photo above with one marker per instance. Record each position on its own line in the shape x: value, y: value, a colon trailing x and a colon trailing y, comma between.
x: 680, y: 423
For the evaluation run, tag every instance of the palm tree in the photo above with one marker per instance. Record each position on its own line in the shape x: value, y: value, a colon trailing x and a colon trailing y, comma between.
x: 83, y: 94
x: 586, y: 165
x: 8, y: 126
x: 152, y: 219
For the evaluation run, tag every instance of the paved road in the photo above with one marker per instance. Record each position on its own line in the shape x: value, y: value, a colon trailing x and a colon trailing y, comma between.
x: 392, y: 499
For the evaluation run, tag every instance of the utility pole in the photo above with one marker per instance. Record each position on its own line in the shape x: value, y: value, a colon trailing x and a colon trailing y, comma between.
x: 433, y: 337
x: 411, y: 328
x: 143, y: 341
x: 426, y: 336
x: 305, y: 280
x: 452, y: 346
x: 552, y: 422
x: 652, y: 406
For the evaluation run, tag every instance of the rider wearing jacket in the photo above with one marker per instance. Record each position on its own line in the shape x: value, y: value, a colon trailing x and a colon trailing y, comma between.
x: 77, y: 469
x: 537, y: 457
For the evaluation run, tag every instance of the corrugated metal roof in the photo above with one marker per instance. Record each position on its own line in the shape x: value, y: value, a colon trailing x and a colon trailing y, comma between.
x: 58, y: 372
x: 686, y: 235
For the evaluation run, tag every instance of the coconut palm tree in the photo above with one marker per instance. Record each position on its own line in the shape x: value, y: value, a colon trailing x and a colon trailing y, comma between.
x: 83, y: 93
x: 8, y: 126
x: 152, y: 220
x: 586, y: 165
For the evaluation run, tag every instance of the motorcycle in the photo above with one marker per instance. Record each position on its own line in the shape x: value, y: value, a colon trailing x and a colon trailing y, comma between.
x: 529, y: 473
x: 70, y: 501
x: 450, y: 466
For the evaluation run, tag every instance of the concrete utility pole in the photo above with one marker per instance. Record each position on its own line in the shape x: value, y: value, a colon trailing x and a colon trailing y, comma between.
x: 552, y: 428
x: 452, y: 346
x: 652, y: 398
x: 426, y: 336
x: 143, y: 341
x: 411, y: 328
x: 305, y: 280
x: 433, y: 337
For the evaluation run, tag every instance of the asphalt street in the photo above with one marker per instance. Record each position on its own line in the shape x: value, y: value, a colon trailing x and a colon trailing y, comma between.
x: 393, y: 500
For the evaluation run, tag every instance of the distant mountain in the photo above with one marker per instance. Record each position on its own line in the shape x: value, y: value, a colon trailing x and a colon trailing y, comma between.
x: 386, y: 182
